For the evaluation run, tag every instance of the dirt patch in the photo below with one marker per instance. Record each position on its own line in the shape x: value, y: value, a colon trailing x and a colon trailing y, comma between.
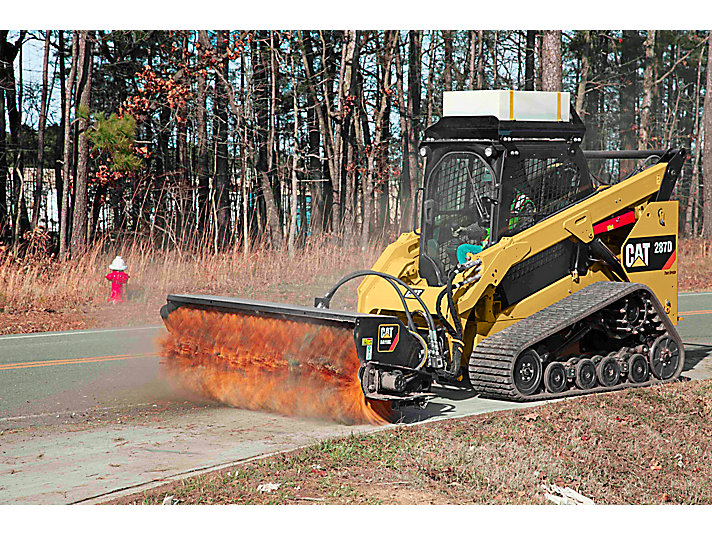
x: 641, y: 446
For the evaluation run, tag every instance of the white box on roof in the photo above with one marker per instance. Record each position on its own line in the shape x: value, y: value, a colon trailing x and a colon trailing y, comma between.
x: 508, y: 105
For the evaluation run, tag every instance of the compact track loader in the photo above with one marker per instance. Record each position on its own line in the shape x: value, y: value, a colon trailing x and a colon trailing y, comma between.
x: 524, y: 278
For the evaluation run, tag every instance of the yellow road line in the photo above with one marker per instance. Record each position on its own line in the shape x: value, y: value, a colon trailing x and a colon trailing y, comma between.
x: 71, y: 361
x: 695, y: 312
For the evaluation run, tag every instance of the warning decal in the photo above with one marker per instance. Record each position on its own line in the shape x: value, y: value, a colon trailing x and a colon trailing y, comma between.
x: 649, y: 253
x: 388, y: 337
x: 368, y: 343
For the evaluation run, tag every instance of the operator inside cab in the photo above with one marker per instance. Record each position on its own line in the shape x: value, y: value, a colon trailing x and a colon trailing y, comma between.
x: 476, y: 238
x: 461, y: 186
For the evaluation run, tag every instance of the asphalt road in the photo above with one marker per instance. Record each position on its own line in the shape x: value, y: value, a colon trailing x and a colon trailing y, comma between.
x: 86, y: 415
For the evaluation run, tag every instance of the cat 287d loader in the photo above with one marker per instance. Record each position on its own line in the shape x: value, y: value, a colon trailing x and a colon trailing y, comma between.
x: 524, y: 278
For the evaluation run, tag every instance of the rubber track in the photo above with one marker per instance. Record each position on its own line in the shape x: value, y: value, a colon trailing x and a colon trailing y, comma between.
x: 492, y: 360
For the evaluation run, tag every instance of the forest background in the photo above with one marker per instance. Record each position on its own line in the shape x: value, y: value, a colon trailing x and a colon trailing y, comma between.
x: 200, y: 144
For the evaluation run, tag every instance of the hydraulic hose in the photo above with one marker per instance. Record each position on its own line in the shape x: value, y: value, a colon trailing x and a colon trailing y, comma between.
x: 432, y: 335
x: 450, y: 329
x: 367, y: 272
x: 455, y: 332
x: 324, y: 302
x: 454, y: 371
x: 452, y: 308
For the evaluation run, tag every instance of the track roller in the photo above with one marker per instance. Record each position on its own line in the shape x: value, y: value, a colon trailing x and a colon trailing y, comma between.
x: 585, y: 374
x: 638, y: 369
x: 608, y: 371
x: 555, y: 377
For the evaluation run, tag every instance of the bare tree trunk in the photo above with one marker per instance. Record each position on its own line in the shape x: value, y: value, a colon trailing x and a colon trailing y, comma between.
x: 201, y: 134
x: 3, y: 140
x: 409, y: 123
x: 316, y: 187
x: 388, y: 50
x: 414, y: 88
x: 529, y: 75
x: 67, y: 158
x: 405, y: 190
x: 707, y: 151
x: 583, y: 79
x: 272, y: 209
x: 37, y: 200
x: 431, y: 76
x: 59, y: 141
x: 243, y: 162
x: 539, y: 38
x: 628, y: 95
x: 381, y: 178
x: 320, y: 107
x: 349, y: 64
x: 79, y: 224
x: 409, y: 114
x: 495, y: 69
x: 447, y: 60
x: 480, y: 59
x: 472, y: 61
x: 551, y: 61
x: 692, y: 198
x: 646, y: 115
x: 184, y: 187
x: 295, y: 180
x: 262, y: 104
x: 221, y: 185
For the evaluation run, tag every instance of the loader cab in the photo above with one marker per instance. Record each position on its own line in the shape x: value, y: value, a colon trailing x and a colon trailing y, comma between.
x: 458, y: 207
x: 486, y: 178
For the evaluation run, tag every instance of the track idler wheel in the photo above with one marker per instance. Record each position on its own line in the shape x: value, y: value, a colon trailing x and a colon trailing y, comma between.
x: 585, y: 374
x: 555, y: 377
x: 638, y: 369
x: 608, y: 371
x: 664, y: 357
x: 527, y: 372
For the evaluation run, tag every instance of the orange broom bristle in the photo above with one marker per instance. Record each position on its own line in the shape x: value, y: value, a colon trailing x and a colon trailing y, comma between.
x: 258, y: 363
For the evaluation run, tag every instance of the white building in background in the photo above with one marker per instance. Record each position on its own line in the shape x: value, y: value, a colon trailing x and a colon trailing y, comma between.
x: 49, y: 209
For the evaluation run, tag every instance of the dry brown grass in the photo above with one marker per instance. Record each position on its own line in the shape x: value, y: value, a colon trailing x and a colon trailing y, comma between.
x: 695, y: 264
x: 641, y: 446
x: 35, y: 284
x: 38, y: 293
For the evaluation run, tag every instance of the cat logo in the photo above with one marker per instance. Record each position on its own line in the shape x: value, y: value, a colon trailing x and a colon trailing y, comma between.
x: 649, y: 253
x: 636, y: 255
x: 388, y: 337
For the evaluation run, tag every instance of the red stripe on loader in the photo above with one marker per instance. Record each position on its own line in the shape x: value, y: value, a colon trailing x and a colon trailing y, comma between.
x: 395, y: 342
x: 671, y: 260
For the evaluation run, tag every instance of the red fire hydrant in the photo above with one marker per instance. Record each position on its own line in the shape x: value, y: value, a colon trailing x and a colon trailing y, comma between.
x: 118, y: 279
